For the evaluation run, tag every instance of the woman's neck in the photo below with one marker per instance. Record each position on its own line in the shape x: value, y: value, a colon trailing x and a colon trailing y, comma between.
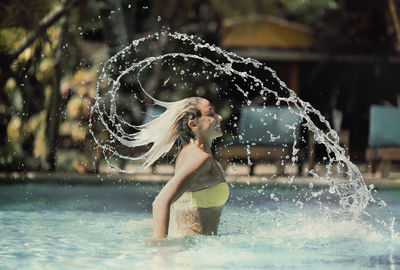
x: 202, y: 144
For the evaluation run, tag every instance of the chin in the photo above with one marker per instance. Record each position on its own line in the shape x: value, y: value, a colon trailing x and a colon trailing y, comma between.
x: 219, y: 134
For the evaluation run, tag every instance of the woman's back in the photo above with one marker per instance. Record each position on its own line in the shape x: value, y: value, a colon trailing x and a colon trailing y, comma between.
x: 210, y: 177
x: 198, y: 210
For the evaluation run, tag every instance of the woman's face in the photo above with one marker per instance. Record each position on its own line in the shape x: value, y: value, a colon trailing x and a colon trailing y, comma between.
x: 209, y: 124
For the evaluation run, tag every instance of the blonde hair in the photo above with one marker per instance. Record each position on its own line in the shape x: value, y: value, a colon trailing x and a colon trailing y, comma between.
x: 165, y: 129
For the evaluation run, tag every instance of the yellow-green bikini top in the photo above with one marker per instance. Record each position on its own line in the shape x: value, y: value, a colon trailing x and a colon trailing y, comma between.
x: 216, y: 195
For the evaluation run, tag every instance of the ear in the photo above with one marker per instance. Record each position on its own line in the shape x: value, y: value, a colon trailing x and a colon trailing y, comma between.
x: 192, y: 124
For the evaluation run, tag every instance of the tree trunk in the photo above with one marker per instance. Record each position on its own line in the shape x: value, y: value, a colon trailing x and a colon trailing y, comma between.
x: 115, y: 28
x: 53, y: 114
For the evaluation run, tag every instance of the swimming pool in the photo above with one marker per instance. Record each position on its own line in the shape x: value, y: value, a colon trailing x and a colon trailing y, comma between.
x: 48, y: 226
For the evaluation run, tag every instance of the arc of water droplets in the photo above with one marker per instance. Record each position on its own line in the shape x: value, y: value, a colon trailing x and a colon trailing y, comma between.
x: 354, y: 196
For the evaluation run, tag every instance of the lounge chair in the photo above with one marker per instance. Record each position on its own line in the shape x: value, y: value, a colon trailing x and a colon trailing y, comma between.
x: 263, y: 135
x: 384, y: 138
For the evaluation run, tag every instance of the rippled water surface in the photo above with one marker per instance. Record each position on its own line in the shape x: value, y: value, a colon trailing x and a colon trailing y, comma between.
x: 109, y: 227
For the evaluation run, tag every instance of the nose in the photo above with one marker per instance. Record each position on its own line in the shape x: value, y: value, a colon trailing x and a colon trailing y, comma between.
x: 219, y: 118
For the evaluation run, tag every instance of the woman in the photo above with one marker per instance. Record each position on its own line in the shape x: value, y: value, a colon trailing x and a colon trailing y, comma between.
x: 192, y: 200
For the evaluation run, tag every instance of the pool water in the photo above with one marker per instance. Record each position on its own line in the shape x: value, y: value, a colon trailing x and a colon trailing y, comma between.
x: 46, y: 226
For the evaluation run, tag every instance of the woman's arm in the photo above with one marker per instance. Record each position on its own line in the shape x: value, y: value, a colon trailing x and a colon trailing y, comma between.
x: 187, y: 174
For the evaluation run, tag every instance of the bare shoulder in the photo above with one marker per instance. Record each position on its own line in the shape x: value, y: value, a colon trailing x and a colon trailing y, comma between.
x: 194, y: 158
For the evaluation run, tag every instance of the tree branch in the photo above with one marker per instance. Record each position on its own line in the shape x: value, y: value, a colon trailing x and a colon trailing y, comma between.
x: 45, y: 23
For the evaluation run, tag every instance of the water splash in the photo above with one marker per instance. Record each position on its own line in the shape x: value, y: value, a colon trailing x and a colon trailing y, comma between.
x: 128, y: 66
